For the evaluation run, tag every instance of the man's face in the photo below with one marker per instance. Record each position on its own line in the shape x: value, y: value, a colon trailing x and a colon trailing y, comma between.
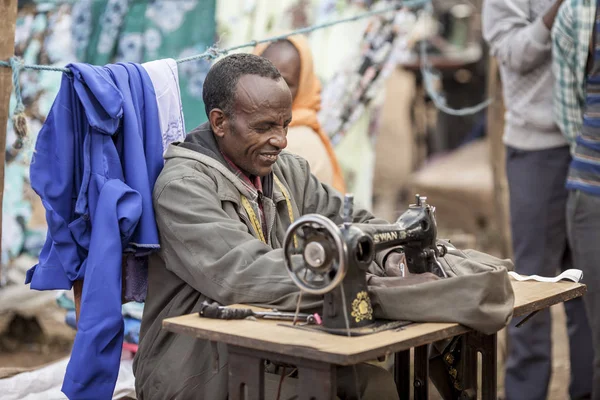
x: 256, y: 133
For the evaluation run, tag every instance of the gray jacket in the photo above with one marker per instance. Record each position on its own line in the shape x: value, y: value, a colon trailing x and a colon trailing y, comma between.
x: 210, y: 251
x: 521, y: 43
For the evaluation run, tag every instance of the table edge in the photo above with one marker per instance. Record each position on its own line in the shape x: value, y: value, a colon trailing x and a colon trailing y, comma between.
x: 311, y: 353
x: 576, y: 291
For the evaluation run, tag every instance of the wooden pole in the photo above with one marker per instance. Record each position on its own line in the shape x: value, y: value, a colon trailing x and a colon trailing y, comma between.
x: 495, y: 129
x: 8, y: 19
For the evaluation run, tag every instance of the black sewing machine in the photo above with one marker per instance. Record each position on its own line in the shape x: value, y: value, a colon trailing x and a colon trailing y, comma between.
x: 323, y: 258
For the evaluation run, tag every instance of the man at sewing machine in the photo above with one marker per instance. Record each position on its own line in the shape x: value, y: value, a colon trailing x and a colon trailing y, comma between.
x: 223, y: 203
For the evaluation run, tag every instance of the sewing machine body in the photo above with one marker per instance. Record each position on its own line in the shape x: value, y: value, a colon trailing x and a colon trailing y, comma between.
x: 323, y: 258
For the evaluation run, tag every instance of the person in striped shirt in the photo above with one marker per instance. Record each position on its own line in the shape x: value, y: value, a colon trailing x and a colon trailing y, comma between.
x: 576, y: 66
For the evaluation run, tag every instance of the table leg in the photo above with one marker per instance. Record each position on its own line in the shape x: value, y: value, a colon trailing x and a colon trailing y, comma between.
x: 402, y: 374
x: 489, y: 355
x: 486, y: 345
x: 246, y: 375
x: 317, y: 381
x: 421, y: 375
x: 469, y: 369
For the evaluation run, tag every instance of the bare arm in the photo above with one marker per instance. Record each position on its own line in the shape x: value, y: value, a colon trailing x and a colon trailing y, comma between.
x: 550, y: 15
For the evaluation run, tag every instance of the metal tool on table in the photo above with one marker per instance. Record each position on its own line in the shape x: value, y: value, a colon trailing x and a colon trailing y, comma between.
x: 216, y: 311
x: 326, y: 259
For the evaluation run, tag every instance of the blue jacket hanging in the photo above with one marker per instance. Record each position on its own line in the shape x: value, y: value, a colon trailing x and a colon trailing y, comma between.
x: 95, y: 163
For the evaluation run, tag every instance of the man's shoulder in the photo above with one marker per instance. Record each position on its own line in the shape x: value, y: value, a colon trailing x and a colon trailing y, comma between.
x: 293, y: 170
x: 179, y: 169
x: 290, y: 162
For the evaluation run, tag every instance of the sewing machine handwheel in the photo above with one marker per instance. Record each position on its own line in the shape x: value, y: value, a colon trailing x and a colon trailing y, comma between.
x: 315, y: 254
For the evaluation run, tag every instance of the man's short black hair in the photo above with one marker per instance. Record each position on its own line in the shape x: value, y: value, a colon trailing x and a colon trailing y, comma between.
x: 221, y: 80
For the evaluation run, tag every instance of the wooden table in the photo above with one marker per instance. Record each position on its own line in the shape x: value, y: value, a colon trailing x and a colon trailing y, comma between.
x: 317, y: 354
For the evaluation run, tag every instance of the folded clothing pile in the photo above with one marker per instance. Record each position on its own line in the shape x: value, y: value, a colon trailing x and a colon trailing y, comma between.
x: 132, y: 317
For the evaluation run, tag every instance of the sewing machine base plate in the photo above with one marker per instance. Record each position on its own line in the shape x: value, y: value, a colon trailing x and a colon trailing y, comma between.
x: 375, y: 327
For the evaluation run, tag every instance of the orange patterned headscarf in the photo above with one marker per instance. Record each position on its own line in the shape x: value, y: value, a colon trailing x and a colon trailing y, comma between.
x: 308, y: 102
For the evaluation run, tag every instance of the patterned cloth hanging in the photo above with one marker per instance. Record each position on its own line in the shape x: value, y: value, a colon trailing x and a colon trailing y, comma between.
x: 146, y: 30
x: 355, y: 86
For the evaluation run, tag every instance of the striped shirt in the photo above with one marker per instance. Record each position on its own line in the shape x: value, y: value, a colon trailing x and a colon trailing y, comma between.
x: 571, y: 35
x: 584, y: 172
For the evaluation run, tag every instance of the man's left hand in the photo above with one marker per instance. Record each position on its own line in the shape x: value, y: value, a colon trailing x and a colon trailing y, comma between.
x: 395, y: 265
x: 396, y: 273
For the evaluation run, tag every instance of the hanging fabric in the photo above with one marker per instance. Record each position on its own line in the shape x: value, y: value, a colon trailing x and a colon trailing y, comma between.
x: 95, y: 163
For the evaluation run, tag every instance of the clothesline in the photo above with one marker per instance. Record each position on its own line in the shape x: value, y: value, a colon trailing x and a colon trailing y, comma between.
x: 17, y: 64
x: 214, y: 52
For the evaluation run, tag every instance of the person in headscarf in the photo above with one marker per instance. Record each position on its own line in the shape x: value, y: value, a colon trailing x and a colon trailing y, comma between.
x: 306, y: 138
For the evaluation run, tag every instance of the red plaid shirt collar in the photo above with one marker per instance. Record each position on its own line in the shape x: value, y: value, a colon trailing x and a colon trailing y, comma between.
x: 256, y: 182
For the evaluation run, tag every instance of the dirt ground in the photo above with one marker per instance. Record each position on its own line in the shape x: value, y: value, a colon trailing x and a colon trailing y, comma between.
x: 26, y: 344
x: 56, y: 340
x: 560, y: 366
